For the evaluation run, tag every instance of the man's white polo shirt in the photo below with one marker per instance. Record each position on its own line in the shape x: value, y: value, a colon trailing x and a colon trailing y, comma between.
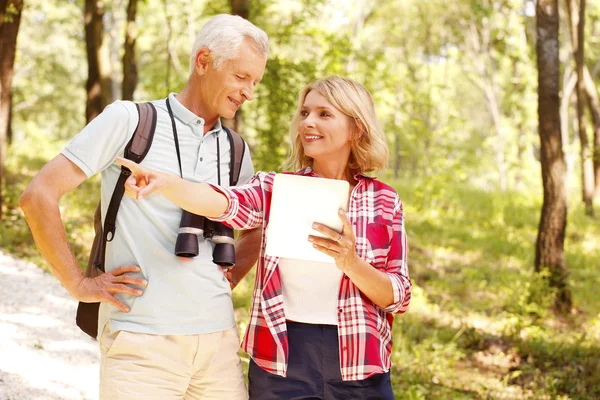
x: 183, y: 296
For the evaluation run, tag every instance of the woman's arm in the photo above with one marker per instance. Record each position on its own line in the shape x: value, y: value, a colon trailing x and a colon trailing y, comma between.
x: 197, y: 198
x: 376, y: 285
x: 240, y: 206
x: 396, y: 266
x: 390, y: 290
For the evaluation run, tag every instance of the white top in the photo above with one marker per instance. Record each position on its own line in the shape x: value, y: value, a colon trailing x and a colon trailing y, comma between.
x: 183, y: 296
x: 310, y: 290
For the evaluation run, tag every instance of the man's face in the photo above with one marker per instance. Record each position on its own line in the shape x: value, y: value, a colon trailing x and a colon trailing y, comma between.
x: 225, y: 89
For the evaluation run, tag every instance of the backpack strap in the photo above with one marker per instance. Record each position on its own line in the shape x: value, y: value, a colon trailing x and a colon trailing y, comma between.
x: 136, y: 150
x: 140, y: 143
x: 238, y: 148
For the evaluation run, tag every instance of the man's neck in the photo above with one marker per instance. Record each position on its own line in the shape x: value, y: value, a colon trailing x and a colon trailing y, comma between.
x: 190, y: 99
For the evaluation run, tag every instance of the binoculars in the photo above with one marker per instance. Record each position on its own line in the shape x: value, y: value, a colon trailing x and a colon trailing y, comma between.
x: 193, y: 226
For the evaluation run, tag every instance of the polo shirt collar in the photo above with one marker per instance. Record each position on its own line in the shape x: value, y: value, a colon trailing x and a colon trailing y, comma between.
x: 187, y: 117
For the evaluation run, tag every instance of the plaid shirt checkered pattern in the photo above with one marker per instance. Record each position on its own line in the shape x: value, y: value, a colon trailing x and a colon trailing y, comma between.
x: 364, y: 329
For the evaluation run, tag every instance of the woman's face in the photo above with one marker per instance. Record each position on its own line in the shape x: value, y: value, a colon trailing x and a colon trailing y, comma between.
x: 325, y: 131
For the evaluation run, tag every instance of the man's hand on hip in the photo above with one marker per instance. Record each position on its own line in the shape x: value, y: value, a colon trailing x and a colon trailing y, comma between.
x: 103, y: 288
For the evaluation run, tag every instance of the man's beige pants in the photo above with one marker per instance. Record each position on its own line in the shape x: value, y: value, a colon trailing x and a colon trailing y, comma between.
x: 165, y: 367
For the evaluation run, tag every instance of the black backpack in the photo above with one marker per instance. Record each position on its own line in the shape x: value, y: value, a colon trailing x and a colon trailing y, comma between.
x: 136, y: 150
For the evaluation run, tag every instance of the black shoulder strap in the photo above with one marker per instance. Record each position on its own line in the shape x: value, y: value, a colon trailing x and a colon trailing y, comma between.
x: 140, y: 143
x: 136, y: 150
x: 238, y: 148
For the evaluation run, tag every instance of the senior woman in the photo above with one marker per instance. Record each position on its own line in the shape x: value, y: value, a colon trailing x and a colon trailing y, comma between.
x: 326, y: 334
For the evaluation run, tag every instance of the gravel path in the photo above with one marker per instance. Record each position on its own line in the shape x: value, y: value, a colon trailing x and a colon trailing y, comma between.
x: 43, y: 355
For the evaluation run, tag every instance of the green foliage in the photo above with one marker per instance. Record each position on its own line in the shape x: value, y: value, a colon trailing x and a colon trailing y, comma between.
x: 417, y: 58
x: 49, y: 82
x: 478, y: 306
x: 10, y: 13
x: 77, y: 208
x: 272, y: 128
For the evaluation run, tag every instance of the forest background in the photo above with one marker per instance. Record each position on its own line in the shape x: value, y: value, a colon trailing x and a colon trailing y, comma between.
x: 492, y: 117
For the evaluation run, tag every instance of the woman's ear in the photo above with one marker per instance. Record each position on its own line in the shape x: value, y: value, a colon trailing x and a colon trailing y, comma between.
x: 360, y: 129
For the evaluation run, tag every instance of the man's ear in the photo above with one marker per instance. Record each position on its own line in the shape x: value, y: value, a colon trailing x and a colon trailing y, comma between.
x: 202, y: 61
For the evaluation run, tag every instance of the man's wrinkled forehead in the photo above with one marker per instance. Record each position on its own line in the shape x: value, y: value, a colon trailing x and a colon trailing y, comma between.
x: 248, y: 62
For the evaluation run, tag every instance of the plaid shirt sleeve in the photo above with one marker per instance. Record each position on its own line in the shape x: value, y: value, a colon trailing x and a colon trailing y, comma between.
x: 246, y: 203
x: 397, y: 263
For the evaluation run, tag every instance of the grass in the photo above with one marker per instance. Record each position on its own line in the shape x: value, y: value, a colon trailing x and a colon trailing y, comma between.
x: 480, y: 325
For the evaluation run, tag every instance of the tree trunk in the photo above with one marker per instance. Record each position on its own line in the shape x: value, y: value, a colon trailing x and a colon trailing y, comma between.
x: 551, y: 232
x: 520, y: 125
x: 241, y: 8
x: 365, y: 11
x: 10, y: 19
x: 191, y: 17
x: 9, y: 127
x: 478, y: 49
x: 596, y: 155
x: 172, y: 56
x: 521, y: 138
x: 168, y: 21
x: 569, y: 84
x: 519, y: 89
x: 113, y: 47
x: 495, y: 112
x: 594, y: 105
x: 577, y: 20
x: 94, y: 30
x: 130, y: 72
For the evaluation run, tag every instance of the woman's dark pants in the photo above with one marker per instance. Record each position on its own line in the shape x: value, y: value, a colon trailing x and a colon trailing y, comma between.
x: 314, y: 371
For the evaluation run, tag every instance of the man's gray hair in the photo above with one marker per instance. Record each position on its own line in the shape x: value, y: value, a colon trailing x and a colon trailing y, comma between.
x: 223, y: 34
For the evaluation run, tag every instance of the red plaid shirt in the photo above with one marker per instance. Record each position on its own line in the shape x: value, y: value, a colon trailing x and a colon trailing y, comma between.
x: 364, y: 329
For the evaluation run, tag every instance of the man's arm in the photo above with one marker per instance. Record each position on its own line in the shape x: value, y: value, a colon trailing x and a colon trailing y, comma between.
x: 247, y: 249
x: 39, y: 203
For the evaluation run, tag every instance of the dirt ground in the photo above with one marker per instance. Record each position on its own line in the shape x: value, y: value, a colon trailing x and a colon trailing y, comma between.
x: 43, y: 355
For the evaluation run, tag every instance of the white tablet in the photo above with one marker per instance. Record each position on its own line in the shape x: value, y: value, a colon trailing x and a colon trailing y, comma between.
x: 297, y: 202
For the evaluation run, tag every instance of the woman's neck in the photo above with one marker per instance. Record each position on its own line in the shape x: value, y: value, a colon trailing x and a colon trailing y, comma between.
x: 333, y: 170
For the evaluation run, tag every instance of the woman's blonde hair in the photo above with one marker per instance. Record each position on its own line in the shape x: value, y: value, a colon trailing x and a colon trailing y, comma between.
x: 369, y: 151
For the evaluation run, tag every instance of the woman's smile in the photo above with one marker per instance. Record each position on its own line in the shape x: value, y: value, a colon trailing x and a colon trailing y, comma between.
x: 309, y: 138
